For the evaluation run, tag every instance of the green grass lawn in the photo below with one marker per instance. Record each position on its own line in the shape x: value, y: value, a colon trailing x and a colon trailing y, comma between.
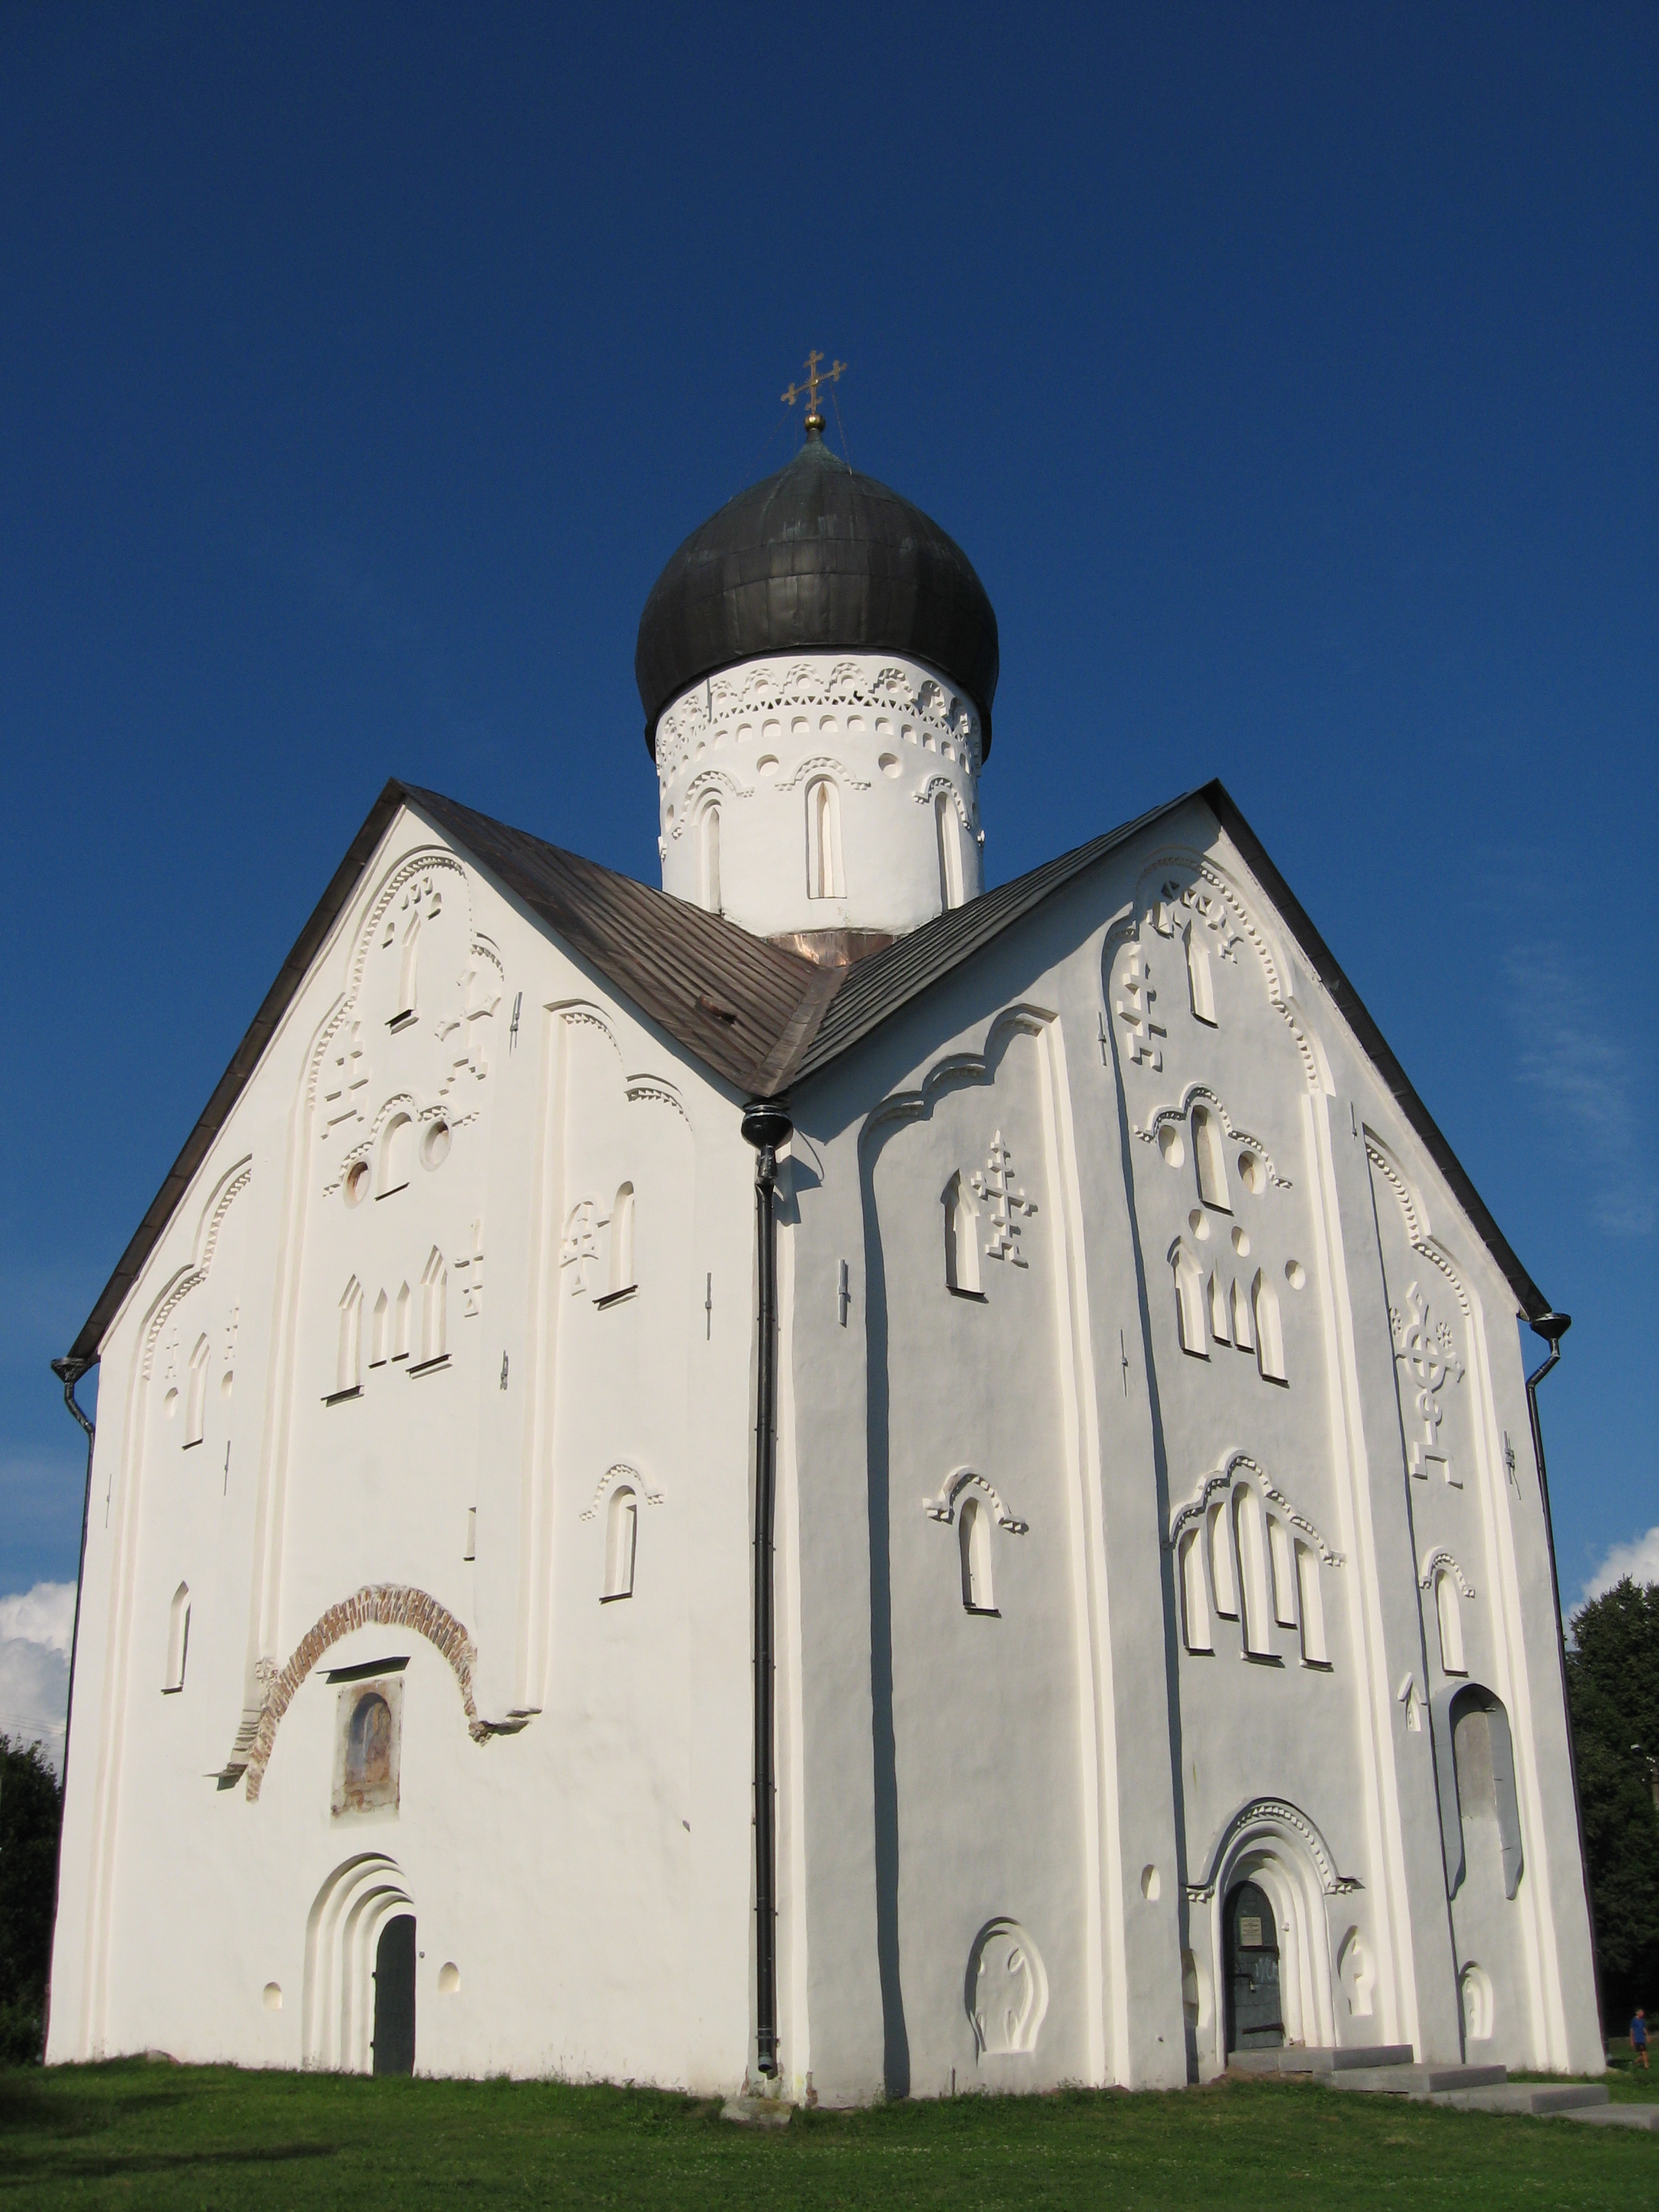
x: 186, y: 2137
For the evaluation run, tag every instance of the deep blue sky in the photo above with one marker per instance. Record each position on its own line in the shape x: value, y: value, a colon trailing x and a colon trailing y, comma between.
x: 1288, y: 373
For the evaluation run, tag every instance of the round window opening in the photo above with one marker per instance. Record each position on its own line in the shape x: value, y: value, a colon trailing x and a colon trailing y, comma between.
x: 435, y: 1145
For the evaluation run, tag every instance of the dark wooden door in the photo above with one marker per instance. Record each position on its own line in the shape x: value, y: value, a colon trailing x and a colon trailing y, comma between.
x: 1255, y: 2020
x: 394, y: 1997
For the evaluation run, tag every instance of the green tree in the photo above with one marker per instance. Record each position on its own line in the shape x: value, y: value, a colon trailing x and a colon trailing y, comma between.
x: 31, y: 1814
x: 1613, y: 1680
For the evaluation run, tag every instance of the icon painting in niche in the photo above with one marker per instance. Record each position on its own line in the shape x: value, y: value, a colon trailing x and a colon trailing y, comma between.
x: 367, y: 1728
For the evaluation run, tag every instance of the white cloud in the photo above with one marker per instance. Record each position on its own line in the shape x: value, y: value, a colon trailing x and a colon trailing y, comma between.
x: 35, y: 1631
x: 1639, y: 1560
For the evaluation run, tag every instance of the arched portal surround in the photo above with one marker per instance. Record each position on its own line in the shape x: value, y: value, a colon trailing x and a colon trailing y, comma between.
x: 341, y: 1932
x: 1275, y: 1845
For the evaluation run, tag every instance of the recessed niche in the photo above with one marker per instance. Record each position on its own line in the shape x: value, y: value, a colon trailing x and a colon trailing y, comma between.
x: 772, y: 729
x: 1251, y: 1171
x: 855, y: 725
x: 226, y: 1382
x: 889, y: 764
x: 828, y: 725
x: 798, y: 728
x: 449, y: 1978
x: 273, y: 1996
x: 1150, y: 1884
x: 1197, y: 1223
x: 434, y: 1145
x: 170, y: 1404
x: 669, y: 816
x: 768, y: 762
x: 355, y: 1184
x: 1295, y: 1274
x: 1241, y: 1242
x: 1169, y: 1144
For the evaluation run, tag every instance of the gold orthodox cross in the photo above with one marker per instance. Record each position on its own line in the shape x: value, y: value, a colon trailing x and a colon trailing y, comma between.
x: 809, y: 390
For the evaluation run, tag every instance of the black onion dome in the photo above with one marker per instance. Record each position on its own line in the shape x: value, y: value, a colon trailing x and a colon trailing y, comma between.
x: 816, y: 557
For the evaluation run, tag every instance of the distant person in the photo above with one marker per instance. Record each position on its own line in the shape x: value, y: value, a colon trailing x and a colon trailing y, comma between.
x: 1638, y: 2040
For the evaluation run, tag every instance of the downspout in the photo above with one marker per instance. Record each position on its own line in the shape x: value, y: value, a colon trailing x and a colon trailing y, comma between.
x: 1553, y: 1327
x: 765, y: 1126
x: 69, y: 1372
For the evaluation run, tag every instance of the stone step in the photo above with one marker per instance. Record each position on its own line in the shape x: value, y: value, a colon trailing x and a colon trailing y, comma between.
x: 1313, y: 2059
x: 1538, y: 2098
x: 1419, y: 2080
x: 1617, y: 2116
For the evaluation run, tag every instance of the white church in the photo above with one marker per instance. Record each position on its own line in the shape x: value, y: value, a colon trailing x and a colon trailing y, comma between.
x: 967, y: 1515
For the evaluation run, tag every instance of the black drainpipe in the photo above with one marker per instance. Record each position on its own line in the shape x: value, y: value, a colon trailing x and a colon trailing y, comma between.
x: 766, y: 1125
x: 1553, y: 1327
x: 69, y: 1373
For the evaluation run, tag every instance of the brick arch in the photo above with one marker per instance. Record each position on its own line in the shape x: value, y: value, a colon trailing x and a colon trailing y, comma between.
x: 384, y: 1605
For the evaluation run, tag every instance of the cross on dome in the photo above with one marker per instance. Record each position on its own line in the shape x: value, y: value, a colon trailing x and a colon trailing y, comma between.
x: 809, y: 390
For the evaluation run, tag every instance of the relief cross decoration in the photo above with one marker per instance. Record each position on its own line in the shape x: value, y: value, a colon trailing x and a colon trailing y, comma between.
x: 1137, y: 1013
x: 1427, y: 1355
x: 995, y: 1184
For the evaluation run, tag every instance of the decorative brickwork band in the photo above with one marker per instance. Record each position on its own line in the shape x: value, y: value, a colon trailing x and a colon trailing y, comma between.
x: 383, y: 1605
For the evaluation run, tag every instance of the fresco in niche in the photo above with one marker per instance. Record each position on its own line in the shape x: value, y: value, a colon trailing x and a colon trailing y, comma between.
x: 367, y: 1728
x: 976, y: 1485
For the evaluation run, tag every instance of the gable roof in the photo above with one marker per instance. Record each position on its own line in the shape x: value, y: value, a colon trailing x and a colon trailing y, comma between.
x: 757, y: 1017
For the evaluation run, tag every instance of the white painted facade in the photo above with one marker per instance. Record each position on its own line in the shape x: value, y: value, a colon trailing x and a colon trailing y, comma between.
x: 812, y: 791
x: 1144, y: 1394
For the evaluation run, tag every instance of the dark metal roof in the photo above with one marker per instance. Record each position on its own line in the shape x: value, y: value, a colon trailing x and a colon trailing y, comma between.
x: 816, y: 557
x: 758, y: 1017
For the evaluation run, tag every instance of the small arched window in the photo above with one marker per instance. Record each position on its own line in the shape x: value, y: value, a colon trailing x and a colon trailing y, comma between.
x: 1314, y: 1652
x: 961, y: 1239
x: 1210, y: 1156
x: 974, y: 1537
x: 1447, y: 1605
x: 400, y: 1323
x: 1221, y: 1327
x: 1199, y: 984
x: 397, y: 1151
x: 950, y: 849
x: 1223, y: 1581
x: 708, y: 856
x: 1252, y: 1569
x: 177, y: 1639
x: 823, y: 874
x: 621, y: 1269
x: 196, y: 1402
x: 435, y: 1302
x: 1189, y: 1301
x: 380, y: 1332
x: 621, y: 1532
x: 1194, y: 1598
x: 348, y: 1365
x: 1269, y: 1331
x: 406, y: 969
x: 1279, y: 1551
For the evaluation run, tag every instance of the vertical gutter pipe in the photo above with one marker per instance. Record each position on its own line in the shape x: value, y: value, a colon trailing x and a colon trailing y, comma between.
x: 766, y: 1125
x: 1553, y: 1327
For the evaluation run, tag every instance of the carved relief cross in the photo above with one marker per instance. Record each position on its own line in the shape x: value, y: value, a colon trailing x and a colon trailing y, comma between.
x: 996, y: 1186
x: 1136, y: 1009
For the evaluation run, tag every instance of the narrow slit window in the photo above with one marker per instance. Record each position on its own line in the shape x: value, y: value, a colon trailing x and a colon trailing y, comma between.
x: 621, y: 1532
x: 1269, y: 1330
x: 1314, y: 1653
x: 195, y: 1401
x: 1243, y: 1334
x: 1199, y: 984
x: 823, y: 876
x: 1221, y: 1325
x: 1253, y: 1571
x: 348, y: 1371
x: 397, y: 1151
x: 1284, y: 1566
x: 961, y: 1239
x: 1448, y: 1604
x: 621, y: 1271
x: 400, y: 1323
x: 1195, y: 1597
x: 974, y: 1537
x: 435, y: 1301
x: 710, y: 857
x: 1223, y: 1581
x: 1189, y: 1301
x: 380, y: 1331
x: 1210, y: 1156
x: 950, y: 849
x: 406, y: 969
x: 178, y: 1638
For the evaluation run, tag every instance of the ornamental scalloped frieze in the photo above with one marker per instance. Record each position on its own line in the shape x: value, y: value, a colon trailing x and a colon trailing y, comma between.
x: 777, y: 687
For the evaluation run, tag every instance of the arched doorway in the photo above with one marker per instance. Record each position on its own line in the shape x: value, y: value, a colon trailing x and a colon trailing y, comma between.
x: 1255, y: 2019
x: 393, y: 2043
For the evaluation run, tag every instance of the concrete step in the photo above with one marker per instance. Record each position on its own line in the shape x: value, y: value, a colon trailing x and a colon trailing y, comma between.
x: 1419, y: 2080
x: 1538, y: 2098
x: 1618, y: 2116
x: 1313, y: 2059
